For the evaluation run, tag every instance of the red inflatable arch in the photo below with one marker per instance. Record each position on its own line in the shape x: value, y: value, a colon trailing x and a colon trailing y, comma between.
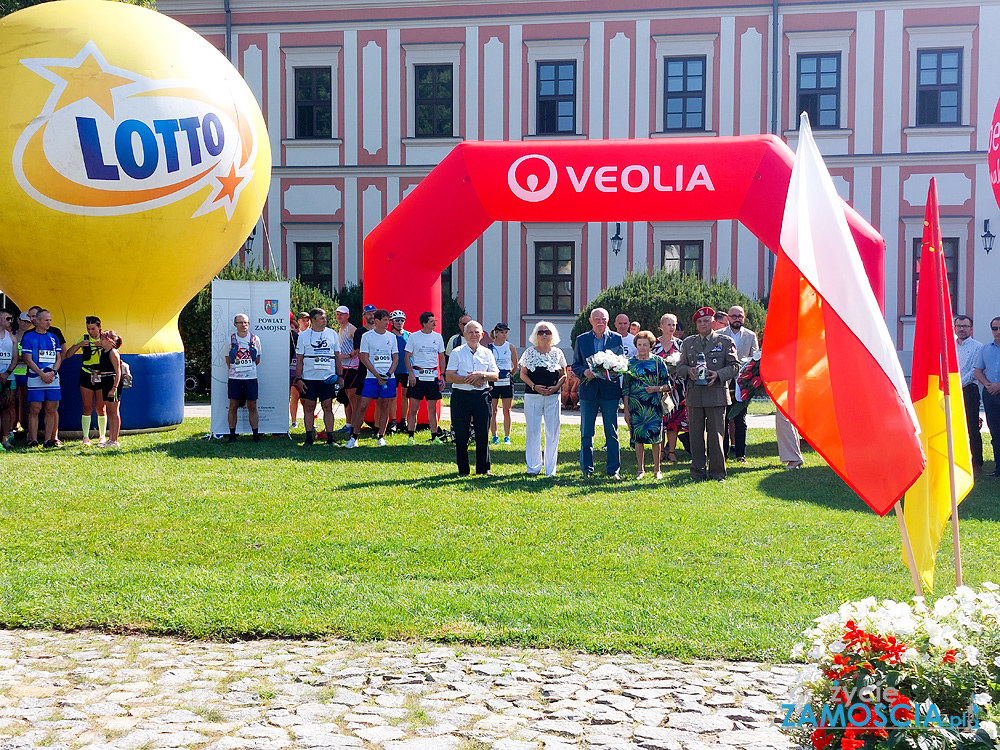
x: 677, y: 179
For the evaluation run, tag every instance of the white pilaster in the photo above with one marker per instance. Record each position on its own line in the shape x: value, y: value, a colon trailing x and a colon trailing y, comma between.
x: 472, y: 83
x: 514, y: 73
x: 596, y: 113
x: 371, y: 104
x: 393, y: 87
x: 727, y: 74
x: 751, y: 85
x: 595, y: 257
x: 352, y: 260
x: 892, y: 96
x: 641, y: 97
x: 351, y: 104
x: 864, y: 87
x: 724, y: 252
x: 889, y: 229
x: 493, y: 90
x: 492, y: 273
x: 619, y: 69
x: 274, y: 93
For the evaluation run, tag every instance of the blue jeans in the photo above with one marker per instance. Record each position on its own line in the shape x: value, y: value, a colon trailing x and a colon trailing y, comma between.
x: 588, y: 423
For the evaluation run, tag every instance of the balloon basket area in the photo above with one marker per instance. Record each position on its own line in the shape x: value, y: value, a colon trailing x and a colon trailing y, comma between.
x: 154, y: 403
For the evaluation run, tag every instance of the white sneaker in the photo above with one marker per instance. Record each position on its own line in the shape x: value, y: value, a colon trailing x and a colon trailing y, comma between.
x: 352, y: 443
x: 381, y: 442
x: 294, y: 425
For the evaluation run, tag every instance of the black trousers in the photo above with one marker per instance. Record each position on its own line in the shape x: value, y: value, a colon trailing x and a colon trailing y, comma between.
x: 475, y: 408
x: 992, y: 406
x: 739, y: 427
x: 970, y: 393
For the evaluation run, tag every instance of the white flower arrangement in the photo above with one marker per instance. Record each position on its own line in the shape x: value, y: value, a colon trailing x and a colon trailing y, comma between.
x: 944, y: 659
x: 604, y: 363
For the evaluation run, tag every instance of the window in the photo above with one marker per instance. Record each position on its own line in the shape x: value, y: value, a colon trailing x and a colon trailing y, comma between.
x: 314, y: 264
x: 950, y: 245
x: 684, y: 93
x: 939, y: 87
x: 819, y: 89
x: 556, y: 110
x: 433, y: 101
x: 554, y: 277
x: 685, y: 257
x: 313, y: 103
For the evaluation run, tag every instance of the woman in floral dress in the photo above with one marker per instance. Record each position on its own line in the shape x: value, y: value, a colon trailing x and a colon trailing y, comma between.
x: 642, y: 386
x: 675, y: 421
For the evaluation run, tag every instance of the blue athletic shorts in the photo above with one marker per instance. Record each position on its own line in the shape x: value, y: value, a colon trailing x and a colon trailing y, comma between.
x: 373, y: 390
x: 243, y: 390
x: 44, y: 394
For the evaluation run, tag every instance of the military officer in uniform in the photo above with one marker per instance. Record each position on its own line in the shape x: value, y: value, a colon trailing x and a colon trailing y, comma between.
x: 707, y: 404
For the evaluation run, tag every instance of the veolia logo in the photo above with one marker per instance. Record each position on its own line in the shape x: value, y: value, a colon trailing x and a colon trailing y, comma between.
x: 610, y: 178
x: 532, y: 192
x: 110, y: 141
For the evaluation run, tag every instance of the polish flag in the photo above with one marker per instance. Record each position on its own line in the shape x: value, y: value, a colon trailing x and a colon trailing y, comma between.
x: 829, y: 364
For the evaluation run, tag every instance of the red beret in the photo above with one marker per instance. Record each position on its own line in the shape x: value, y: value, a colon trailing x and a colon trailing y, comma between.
x: 703, y: 312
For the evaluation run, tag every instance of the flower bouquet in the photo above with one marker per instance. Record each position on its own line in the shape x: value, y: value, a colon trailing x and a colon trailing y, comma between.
x: 748, y: 384
x: 892, y: 676
x: 607, y: 365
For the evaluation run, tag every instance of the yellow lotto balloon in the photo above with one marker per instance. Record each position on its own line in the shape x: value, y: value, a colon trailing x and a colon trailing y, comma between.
x: 134, y: 162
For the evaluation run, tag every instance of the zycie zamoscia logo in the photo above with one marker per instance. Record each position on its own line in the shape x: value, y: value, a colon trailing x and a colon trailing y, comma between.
x: 532, y: 192
x: 110, y: 141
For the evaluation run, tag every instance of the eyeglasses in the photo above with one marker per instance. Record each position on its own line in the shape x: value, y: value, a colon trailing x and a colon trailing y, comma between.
x: 995, y: 328
x: 549, y: 333
x: 962, y: 325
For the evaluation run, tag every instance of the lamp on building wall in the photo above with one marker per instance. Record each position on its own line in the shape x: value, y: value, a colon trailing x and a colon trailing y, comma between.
x: 617, y: 239
x: 988, y: 236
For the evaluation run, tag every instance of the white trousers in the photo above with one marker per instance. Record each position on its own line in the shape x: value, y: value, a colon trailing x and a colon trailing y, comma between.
x: 536, y: 408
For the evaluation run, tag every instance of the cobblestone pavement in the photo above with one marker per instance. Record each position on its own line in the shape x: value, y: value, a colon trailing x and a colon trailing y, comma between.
x: 64, y: 691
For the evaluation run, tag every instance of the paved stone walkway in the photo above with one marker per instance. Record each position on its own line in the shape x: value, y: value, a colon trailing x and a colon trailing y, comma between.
x: 64, y: 691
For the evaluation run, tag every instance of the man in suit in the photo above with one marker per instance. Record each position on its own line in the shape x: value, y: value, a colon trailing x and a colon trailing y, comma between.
x: 707, y: 404
x: 598, y: 393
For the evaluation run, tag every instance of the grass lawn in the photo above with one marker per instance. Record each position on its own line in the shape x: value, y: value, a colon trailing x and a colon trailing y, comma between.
x: 174, y: 534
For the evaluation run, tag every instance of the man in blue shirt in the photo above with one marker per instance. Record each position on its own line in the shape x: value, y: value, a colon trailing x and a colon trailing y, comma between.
x: 43, y: 355
x: 987, y: 372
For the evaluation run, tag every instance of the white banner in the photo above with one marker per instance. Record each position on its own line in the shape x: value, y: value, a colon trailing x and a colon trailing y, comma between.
x: 267, y: 304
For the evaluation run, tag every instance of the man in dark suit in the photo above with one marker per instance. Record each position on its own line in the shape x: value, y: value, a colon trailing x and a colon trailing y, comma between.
x: 598, y: 393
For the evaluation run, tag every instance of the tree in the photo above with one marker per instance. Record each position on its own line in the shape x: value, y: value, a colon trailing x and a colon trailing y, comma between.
x: 9, y: 6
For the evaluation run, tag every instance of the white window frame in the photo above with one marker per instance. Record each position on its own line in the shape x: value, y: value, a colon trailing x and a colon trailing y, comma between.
x: 937, y: 37
x: 311, y: 57
x: 572, y: 232
x: 685, y: 45
x: 550, y: 50
x: 951, y: 226
x: 807, y: 42
x: 687, y: 231
x: 312, y: 233
x: 431, y: 54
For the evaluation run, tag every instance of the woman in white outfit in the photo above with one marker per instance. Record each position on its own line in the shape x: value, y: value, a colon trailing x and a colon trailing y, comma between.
x: 543, y: 372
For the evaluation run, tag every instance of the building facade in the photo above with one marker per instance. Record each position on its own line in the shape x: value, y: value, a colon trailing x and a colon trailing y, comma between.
x: 363, y: 97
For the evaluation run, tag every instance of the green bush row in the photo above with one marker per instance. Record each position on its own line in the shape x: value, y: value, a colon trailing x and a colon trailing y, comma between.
x: 646, y: 297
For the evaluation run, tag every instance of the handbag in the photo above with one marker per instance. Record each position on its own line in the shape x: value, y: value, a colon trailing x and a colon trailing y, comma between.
x: 666, y: 402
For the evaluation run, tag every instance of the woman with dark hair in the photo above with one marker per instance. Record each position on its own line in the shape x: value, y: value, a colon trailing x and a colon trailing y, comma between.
x: 90, y: 377
x: 505, y: 354
x: 111, y: 379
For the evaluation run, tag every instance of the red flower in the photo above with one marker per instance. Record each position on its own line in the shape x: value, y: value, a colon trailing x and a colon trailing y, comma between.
x: 821, y: 739
x: 949, y: 656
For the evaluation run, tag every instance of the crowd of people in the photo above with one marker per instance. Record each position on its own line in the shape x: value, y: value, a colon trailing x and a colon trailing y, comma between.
x: 31, y: 357
x: 672, y: 389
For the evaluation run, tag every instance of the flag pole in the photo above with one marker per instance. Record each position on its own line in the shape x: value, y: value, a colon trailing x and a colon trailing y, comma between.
x: 914, y: 576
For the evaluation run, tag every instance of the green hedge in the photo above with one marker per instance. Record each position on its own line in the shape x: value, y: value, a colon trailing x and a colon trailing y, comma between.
x: 646, y: 297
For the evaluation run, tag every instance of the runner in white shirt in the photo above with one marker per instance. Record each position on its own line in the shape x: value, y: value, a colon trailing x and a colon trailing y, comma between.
x: 503, y: 390
x: 316, y: 372
x: 242, y: 360
x: 379, y: 354
x: 424, y: 358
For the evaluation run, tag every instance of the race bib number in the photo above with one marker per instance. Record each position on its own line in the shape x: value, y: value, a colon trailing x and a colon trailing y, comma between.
x: 426, y: 374
x: 47, y: 356
x: 243, y: 365
x: 322, y: 361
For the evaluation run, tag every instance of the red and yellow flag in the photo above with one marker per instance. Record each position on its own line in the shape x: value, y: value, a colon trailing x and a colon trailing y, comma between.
x: 934, y: 377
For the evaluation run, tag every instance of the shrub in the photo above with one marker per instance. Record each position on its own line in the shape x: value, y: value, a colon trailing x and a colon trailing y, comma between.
x: 195, y: 320
x: 646, y: 297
